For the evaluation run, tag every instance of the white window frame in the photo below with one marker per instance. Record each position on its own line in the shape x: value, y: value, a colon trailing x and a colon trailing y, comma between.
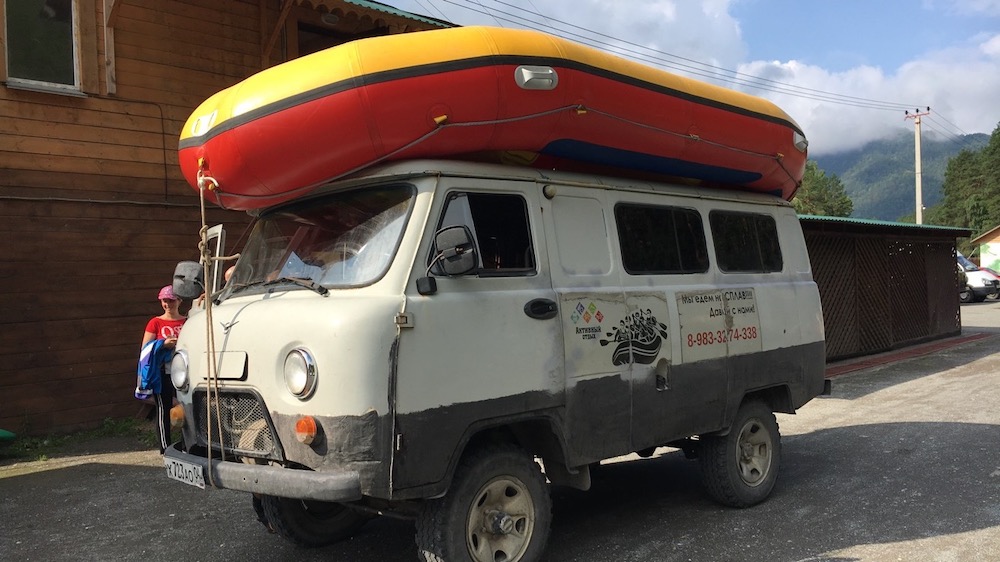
x: 20, y: 83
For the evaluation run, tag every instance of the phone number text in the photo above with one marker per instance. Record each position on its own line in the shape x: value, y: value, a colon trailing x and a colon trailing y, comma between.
x: 722, y: 336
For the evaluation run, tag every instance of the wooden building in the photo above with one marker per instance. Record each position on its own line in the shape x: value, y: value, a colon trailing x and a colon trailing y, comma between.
x: 986, y: 249
x: 94, y: 212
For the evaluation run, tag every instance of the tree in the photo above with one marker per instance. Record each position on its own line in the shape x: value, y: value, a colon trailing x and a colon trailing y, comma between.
x: 971, y: 190
x: 821, y: 194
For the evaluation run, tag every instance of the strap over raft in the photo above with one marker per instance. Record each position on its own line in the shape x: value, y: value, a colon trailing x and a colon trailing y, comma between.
x: 481, y: 93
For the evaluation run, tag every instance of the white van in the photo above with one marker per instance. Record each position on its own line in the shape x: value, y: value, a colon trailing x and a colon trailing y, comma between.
x: 979, y: 284
x: 412, y: 341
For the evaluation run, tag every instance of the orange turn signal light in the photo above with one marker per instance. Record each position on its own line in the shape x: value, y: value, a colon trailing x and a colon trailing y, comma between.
x: 305, y: 429
x: 177, y: 417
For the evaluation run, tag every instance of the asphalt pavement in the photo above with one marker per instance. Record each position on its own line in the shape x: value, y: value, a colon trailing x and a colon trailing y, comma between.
x: 900, y: 463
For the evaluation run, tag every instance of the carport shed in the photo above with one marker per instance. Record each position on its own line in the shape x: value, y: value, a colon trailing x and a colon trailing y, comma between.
x: 883, y: 285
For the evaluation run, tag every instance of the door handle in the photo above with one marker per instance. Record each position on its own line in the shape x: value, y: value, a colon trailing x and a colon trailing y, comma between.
x: 541, y: 309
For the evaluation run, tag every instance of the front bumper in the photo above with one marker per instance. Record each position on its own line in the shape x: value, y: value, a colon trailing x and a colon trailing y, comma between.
x: 331, y: 486
x: 985, y: 290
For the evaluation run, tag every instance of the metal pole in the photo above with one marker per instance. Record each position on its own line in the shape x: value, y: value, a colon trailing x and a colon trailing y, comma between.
x: 920, y: 193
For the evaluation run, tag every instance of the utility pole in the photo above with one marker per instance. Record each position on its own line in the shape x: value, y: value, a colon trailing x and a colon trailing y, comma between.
x: 916, y: 115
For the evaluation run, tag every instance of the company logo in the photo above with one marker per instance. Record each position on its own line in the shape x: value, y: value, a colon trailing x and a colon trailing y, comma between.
x: 586, y: 313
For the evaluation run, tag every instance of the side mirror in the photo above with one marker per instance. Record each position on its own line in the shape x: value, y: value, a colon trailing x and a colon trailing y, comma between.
x: 455, y: 250
x: 189, y: 282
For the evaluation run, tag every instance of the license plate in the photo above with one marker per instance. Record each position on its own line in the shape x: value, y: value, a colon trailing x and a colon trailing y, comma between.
x: 188, y: 473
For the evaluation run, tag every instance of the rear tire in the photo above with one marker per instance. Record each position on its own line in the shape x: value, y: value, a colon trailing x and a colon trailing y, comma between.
x: 498, y: 508
x: 311, y: 523
x: 740, y: 468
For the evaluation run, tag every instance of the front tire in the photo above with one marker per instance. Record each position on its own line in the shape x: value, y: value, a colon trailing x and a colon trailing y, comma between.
x: 311, y: 523
x: 740, y: 468
x: 966, y: 295
x: 498, y: 509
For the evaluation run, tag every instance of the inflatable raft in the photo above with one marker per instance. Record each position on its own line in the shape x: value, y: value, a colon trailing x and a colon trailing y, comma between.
x: 480, y: 93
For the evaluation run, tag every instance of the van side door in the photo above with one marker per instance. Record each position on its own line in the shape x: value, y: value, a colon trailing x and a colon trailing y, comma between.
x: 485, y: 347
x: 677, y: 390
x: 591, y: 307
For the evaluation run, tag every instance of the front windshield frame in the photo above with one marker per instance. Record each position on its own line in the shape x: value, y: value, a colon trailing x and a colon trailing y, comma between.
x: 342, y: 240
x: 966, y: 263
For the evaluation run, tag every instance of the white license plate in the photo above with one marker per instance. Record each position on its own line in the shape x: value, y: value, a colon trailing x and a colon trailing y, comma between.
x: 185, y: 472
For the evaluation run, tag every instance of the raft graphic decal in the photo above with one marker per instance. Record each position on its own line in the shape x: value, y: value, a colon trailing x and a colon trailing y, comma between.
x: 639, y: 337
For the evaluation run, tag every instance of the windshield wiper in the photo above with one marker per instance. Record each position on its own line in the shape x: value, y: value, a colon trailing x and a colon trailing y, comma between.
x: 307, y: 283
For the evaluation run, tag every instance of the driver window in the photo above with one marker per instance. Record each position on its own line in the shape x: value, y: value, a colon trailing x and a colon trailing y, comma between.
x: 499, y: 226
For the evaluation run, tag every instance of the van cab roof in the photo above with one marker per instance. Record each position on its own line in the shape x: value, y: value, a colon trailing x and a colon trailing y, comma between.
x: 456, y: 168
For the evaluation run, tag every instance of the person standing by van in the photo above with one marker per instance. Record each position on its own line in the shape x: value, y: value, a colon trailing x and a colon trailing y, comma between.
x: 165, y: 328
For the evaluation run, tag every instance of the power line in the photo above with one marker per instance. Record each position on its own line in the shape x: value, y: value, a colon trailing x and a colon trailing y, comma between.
x: 442, y: 14
x: 751, y: 79
x: 957, y: 128
x: 690, y: 66
x: 962, y: 141
x: 683, y: 64
x: 491, y: 15
x: 948, y: 136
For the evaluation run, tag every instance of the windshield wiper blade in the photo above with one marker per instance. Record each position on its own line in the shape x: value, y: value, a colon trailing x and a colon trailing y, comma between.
x: 307, y: 283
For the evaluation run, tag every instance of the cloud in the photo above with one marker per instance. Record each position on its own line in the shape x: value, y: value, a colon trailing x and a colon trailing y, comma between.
x: 959, y: 89
x: 991, y: 46
x: 835, y: 109
x: 651, y: 31
x: 959, y: 82
x: 973, y: 7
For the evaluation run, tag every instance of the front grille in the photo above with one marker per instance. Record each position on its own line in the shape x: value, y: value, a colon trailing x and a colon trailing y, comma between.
x: 246, y: 429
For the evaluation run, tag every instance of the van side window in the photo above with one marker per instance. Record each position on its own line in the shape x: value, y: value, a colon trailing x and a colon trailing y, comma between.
x: 499, y: 226
x: 745, y: 242
x: 656, y: 240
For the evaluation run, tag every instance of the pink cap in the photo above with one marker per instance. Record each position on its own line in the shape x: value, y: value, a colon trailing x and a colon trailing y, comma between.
x: 167, y: 293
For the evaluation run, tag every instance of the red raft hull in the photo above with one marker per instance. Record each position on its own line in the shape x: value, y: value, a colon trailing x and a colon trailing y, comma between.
x: 593, y: 119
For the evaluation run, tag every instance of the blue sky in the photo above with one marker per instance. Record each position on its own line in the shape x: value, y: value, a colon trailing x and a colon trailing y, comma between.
x: 845, y: 68
x: 840, y: 35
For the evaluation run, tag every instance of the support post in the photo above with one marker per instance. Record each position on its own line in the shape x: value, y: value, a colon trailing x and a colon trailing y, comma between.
x: 916, y: 115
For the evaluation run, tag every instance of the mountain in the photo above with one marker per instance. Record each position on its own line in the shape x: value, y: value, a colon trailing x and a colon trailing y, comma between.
x: 879, y: 177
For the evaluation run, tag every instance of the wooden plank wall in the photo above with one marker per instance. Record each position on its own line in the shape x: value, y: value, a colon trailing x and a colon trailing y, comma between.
x: 94, y: 212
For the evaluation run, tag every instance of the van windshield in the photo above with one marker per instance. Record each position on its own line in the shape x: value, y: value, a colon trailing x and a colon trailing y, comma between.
x: 966, y: 264
x: 342, y: 240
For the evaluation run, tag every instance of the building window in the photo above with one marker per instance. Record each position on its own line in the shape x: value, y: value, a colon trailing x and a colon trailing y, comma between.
x: 41, y: 40
x: 659, y: 240
x: 745, y: 242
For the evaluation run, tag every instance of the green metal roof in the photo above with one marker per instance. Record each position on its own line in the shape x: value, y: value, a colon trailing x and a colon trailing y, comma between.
x: 862, y: 224
x: 380, y: 7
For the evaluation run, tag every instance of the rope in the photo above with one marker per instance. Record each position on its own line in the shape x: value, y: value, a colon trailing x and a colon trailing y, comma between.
x: 213, y: 378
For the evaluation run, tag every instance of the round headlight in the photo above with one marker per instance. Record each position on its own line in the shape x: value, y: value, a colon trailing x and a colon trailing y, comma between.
x: 179, y: 371
x: 300, y: 373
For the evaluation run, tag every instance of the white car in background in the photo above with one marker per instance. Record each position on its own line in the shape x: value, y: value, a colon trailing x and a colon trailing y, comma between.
x: 980, y: 283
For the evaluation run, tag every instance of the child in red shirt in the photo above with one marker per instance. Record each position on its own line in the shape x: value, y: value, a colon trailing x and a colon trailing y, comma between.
x: 167, y: 327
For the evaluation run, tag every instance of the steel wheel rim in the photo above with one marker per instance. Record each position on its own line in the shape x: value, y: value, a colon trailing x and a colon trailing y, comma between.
x: 754, y: 449
x: 501, y: 521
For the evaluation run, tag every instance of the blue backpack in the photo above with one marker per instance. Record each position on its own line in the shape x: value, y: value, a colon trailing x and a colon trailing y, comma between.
x: 149, y: 375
